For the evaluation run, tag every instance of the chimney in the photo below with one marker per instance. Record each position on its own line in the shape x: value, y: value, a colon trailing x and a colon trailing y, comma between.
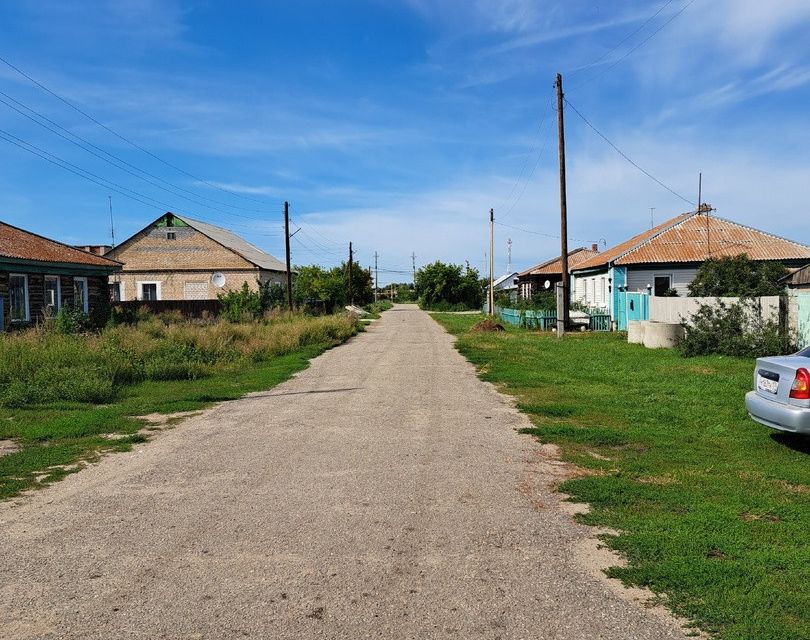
x: 595, y: 247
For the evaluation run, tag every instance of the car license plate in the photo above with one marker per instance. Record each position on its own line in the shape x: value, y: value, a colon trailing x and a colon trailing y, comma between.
x: 769, y: 386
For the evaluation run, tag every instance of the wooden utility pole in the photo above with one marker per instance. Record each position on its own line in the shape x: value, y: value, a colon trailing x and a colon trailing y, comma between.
x: 376, y: 277
x: 563, y: 309
x: 699, y: 207
x: 413, y: 259
x: 351, y: 271
x: 491, y: 296
x: 287, y: 248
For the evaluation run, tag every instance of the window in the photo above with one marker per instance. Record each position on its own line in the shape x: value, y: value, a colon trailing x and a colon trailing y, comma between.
x: 662, y: 285
x: 18, y: 297
x: 148, y: 291
x: 80, y: 298
x: 114, y: 289
x: 53, y: 298
x: 171, y: 235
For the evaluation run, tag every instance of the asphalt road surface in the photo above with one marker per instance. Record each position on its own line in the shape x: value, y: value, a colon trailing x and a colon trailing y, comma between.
x: 382, y: 493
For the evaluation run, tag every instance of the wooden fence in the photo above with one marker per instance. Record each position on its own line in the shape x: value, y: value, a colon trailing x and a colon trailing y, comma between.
x: 188, y: 308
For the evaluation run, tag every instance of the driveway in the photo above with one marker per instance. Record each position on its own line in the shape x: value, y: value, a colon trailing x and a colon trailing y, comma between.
x: 382, y: 493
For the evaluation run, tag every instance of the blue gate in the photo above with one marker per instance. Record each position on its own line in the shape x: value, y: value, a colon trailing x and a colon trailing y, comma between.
x: 632, y: 306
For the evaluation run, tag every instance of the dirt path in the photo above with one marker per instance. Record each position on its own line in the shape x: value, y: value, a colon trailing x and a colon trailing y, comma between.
x: 382, y: 493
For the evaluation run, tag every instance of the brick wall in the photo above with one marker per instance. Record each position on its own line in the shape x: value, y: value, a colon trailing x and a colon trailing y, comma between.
x: 173, y: 284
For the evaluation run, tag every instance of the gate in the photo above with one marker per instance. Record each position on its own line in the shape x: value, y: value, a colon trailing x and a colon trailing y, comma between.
x: 632, y: 306
x: 803, y: 330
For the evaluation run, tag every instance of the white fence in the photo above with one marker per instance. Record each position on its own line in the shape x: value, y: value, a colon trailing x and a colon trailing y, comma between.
x: 679, y: 309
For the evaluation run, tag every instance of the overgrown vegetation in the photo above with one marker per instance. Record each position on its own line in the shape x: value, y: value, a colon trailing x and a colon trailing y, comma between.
x: 328, y: 289
x: 246, y: 304
x: 540, y: 301
x: 448, y: 287
x: 736, y: 329
x: 738, y: 276
x: 712, y: 508
x: 376, y: 308
x: 60, y: 394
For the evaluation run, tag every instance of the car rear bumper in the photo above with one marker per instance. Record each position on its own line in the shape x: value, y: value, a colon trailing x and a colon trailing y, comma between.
x: 775, y: 415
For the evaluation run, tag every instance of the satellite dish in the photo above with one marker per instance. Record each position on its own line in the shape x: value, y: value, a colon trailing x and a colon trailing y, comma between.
x: 218, y: 280
x: 547, y: 284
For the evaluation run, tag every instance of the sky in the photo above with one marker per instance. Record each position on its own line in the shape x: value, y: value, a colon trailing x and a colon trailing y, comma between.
x: 398, y: 124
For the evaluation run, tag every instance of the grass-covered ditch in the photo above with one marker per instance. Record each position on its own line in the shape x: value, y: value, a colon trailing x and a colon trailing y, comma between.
x: 713, y: 509
x: 67, y: 398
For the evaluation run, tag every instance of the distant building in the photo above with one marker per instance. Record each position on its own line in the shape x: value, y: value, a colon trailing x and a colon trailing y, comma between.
x: 545, y: 275
x: 179, y: 258
x: 39, y: 276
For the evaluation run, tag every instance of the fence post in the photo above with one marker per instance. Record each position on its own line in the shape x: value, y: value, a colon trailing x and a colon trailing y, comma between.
x: 784, y: 329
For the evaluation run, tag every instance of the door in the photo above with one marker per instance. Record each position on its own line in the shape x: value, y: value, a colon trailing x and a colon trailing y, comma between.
x: 632, y: 306
x: 803, y: 330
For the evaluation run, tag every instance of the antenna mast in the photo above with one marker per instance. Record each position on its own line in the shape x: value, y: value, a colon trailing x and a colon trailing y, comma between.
x: 112, y: 223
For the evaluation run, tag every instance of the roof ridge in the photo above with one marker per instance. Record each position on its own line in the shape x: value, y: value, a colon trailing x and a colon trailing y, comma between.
x: 765, y: 233
x: 674, y: 222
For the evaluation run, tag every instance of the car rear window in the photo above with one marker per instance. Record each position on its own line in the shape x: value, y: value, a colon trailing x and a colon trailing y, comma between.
x: 804, y: 352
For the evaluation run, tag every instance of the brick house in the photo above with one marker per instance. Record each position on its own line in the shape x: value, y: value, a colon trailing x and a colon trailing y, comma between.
x: 39, y: 276
x: 179, y: 258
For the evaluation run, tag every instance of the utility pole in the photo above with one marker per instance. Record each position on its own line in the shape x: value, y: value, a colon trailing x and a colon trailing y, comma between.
x: 652, y: 220
x: 351, y: 270
x: 287, y: 248
x: 112, y: 224
x: 562, y: 309
x: 413, y: 259
x: 376, y: 277
x: 700, y: 206
x: 509, y: 253
x: 491, y: 297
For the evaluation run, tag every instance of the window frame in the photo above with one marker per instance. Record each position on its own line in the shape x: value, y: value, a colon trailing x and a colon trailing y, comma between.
x: 58, y: 304
x: 662, y: 275
x: 158, y: 293
x: 26, y: 298
x: 86, y: 287
x: 120, y: 285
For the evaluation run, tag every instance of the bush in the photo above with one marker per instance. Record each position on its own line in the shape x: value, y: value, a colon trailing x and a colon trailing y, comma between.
x: 448, y: 287
x: 71, y: 320
x: 732, y: 330
x: 738, y: 276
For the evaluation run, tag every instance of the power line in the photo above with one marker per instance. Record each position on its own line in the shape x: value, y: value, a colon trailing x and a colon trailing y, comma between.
x: 626, y: 157
x: 642, y: 43
x: 538, y: 233
x: 622, y: 41
x: 123, y: 138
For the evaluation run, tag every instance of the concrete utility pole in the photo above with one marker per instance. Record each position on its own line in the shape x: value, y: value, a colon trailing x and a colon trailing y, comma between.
x: 413, y: 258
x: 563, y: 312
x: 351, y: 270
x: 509, y: 253
x: 491, y: 296
x: 287, y: 248
x: 376, y: 277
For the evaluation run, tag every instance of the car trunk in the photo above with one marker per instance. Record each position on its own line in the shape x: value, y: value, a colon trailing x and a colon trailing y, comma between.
x: 773, y: 378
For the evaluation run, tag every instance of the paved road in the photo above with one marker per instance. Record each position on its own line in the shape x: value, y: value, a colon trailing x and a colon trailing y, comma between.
x: 382, y: 493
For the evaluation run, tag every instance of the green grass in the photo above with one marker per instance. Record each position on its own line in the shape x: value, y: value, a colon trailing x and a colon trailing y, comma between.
x: 56, y: 436
x: 713, y: 509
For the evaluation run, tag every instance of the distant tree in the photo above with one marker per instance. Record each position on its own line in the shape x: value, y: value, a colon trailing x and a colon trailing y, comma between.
x: 738, y: 276
x: 329, y: 288
x: 440, y: 284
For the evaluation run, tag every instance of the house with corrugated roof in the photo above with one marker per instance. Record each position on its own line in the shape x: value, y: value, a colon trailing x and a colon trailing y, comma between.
x: 544, y: 276
x: 178, y: 258
x: 39, y: 276
x: 666, y: 259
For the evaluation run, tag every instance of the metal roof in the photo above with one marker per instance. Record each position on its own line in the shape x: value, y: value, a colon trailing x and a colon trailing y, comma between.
x: 554, y: 266
x: 696, y: 237
x: 23, y: 245
x: 236, y: 244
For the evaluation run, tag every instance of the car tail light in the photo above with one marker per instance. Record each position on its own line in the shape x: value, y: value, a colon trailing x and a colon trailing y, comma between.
x: 801, y: 385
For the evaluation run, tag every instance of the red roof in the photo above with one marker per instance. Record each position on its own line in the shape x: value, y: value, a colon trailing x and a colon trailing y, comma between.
x: 554, y: 266
x: 24, y: 245
x: 695, y: 237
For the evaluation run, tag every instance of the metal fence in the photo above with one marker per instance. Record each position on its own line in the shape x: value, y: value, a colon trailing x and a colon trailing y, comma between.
x: 547, y: 320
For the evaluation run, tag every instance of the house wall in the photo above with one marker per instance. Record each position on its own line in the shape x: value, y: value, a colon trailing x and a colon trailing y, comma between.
x: 151, y: 251
x: 592, y: 289
x: 638, y: 278
x: 173, y: 285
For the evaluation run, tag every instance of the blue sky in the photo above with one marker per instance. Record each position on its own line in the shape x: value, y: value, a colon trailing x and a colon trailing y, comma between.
x: 398, y: 124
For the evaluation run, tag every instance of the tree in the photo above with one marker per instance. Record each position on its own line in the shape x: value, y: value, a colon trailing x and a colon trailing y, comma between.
x: 738, y: 276
x: 329, y: 288
x: 440, y: 285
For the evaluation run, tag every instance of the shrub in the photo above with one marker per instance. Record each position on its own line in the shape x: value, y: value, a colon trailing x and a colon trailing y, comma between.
x: 733, y: 330
x: 738, y: 276
x: 448, y: 287
x: 71, y: 320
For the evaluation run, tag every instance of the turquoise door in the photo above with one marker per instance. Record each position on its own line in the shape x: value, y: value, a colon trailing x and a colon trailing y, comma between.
x: 803, y: 330
x: 632, y: 306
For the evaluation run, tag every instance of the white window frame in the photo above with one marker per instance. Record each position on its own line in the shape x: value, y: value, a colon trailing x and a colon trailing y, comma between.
x: 139, y: 288
x: 86, y: 286
x: 58, y: 304
x: 120, y: 284
x: 24, y: 276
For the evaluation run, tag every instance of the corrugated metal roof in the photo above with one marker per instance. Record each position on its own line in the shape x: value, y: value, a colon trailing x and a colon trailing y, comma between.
x: 24, y: 245
x: 554, y: 266
x: 504, y: 278
x: 236, y: 244
x: 695, y: 237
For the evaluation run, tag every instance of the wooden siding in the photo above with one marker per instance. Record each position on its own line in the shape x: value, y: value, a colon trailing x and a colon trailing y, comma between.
x: 638, y: 279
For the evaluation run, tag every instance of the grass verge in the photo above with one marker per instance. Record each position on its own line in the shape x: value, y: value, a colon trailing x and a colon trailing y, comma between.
x: 168, y: 369
x: 713, y: 509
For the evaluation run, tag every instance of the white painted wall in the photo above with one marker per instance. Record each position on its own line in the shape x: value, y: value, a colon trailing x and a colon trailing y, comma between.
x: 678, y: 309
x: 638, y: 279
x: 592, y: 290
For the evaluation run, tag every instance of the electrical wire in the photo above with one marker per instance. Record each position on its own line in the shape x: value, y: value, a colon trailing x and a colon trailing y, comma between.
x: 626, y: 157
x: 123, y: 138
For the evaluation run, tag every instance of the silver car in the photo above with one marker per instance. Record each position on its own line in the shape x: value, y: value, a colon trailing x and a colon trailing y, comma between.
x: 781, y: 395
